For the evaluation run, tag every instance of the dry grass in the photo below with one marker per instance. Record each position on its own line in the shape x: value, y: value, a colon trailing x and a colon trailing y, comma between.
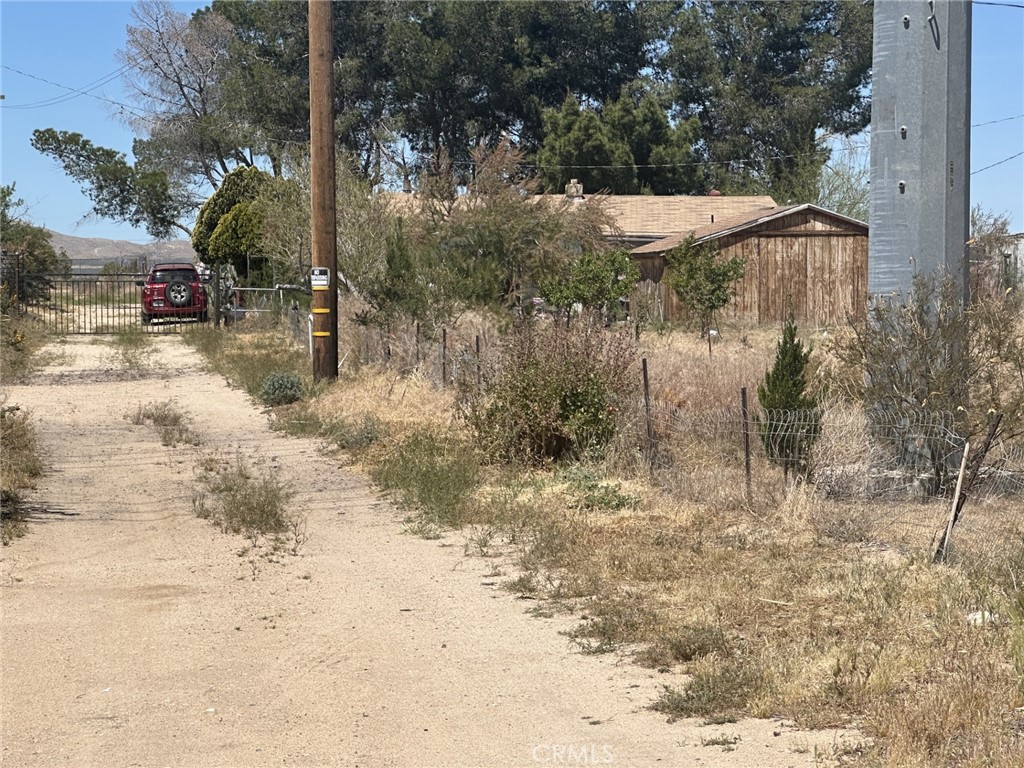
x: 402, y: 402
x: 683, y: 375
x: 776, y: 603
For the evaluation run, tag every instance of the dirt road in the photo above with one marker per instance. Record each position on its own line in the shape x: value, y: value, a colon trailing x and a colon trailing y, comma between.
x: 133, y: 633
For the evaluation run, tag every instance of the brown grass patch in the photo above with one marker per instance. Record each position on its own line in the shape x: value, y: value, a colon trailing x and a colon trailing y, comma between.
x: 789, y: 601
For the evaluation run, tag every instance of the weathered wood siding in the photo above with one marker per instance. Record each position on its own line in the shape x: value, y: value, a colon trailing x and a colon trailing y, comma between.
x: 813, y: 263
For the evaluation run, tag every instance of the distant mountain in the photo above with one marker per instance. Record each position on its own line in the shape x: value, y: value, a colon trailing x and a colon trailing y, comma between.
x: 91, y: 254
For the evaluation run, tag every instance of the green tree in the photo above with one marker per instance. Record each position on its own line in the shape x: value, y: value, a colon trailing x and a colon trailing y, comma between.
x: 578, y: 145
x: 229, y: 227
x: 765, y: 79
x: 595, y: 281
x: 138, y: 194
x: 499, y: 240
x: 628, y: 147
x: 26, y: 255
x: 663, y: 152
x: 467, y: 74
x: 791, y: 423
x: 702, y: 281
x: 190, y: 125
x: 262, y: 83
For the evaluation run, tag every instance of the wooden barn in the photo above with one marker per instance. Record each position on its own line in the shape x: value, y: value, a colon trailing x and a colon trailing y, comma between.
x: 799, y: 256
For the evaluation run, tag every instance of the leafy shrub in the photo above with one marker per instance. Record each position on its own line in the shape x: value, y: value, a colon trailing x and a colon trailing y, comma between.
x: 555, y: 392
x: 280, y: 389
x: 433, y: 474
x: 597, y: 282
x: 588, y: 492
x: 701, y: 280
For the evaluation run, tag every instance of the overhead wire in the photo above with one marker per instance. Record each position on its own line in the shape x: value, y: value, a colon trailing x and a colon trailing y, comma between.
x: 73, y: 92
x: 1004, y: 160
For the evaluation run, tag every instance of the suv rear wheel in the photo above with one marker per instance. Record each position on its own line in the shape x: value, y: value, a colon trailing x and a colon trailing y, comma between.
x: 179, y: 294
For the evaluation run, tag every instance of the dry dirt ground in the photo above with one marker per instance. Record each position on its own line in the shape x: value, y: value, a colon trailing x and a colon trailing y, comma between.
x: 133, y: 633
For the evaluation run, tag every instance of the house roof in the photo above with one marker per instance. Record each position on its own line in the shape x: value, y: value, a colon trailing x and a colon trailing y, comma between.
x: 738, y: 223
x: 656, y: 216
x: 649, y: 217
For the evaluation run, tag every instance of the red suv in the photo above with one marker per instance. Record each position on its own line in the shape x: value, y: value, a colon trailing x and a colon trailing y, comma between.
x: 173, y: 291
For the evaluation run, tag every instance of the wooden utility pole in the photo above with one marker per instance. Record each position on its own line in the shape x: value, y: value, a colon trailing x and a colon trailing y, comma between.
x: 323, y: 275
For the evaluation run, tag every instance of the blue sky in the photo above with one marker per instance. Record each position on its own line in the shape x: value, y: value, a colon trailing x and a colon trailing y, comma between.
x: 49, y: 48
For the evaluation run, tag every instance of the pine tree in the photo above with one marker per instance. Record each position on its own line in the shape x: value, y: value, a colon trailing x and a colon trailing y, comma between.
x: 791, y: 421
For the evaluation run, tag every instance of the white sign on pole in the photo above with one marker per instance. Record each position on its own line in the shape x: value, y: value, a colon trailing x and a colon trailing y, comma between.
x: 320, y: 278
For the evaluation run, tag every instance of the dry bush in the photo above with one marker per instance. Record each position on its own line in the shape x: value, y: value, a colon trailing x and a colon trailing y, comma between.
x: 552, y: 393
x: 169, y: 420
x: 20, y: 464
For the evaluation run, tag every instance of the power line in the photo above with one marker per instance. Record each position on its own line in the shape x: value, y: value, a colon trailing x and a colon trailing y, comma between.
x: 74, y: 92
x: 998, y: 5
x: 1000, y: 120
x: 1004, y: 160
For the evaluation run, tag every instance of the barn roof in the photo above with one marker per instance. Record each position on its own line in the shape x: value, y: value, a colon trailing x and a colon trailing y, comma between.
x: 748, y: 220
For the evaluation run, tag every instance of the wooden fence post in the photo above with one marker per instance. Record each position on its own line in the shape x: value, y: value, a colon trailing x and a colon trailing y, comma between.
x: 963, y: 489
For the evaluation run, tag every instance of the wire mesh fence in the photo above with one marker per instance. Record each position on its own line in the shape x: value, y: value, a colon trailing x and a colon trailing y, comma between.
x: 878, y: 476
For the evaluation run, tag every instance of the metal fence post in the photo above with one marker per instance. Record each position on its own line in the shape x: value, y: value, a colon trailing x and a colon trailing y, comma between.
x: 647, y: 413
x: 444, y: 357
x: 746, y: 439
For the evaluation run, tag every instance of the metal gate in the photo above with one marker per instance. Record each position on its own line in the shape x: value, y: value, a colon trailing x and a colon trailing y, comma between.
x: 80, y: 303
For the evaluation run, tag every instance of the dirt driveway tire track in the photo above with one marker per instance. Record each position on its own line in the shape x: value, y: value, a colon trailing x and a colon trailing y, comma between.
x: 133, y: 633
